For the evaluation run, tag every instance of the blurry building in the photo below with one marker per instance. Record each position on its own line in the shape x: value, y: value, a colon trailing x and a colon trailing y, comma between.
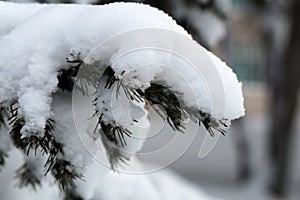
x: 246, y: 45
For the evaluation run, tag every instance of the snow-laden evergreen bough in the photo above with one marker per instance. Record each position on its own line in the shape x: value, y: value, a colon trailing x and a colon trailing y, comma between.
x: 42, y: 50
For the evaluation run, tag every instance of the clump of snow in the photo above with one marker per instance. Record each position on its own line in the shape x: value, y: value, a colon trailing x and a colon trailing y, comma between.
x: 138, y: 73
x: 234, y: 100
x: 138, y: 69
x: 38, y: 46
x: 35, y: 107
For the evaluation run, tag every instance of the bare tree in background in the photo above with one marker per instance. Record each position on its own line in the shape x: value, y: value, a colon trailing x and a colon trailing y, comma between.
x: 284, y: 84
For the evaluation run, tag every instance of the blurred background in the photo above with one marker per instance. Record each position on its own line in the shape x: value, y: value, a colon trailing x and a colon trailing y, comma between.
x: 260, y: 39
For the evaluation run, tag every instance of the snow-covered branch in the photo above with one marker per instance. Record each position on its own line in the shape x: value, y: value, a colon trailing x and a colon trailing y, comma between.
x: 35, y: 41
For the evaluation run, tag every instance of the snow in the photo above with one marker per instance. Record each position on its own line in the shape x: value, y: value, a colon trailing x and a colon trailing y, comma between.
x: 65, y: 132
x: 227, y: 76
x: 55, y: 33
x: 36, y: 109
x: 196, y: 87
x: 8, y: 12
x: 38, y: 55
x: 35, y: 39
x: 8, y: 185
x: 133, y: 118
x: 160, y: 185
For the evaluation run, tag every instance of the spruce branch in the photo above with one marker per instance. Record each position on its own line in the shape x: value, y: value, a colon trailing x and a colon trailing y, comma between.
x: 3, y: 115
x: 87, y: 78
x: 3, y: 118
x: 27, y: 177
x: 66, y: 77
x: 3, y: 155
x: 62, y: 170
x: 166, y: 102
x: 111, y: 78
x: 169, y: 106
x: 72, y: 196
x: 56, y: 150
x: 156, y: 94
x: 113, y: 138
x: 34, y: 141
x: 115, y: 155
x: 65, y: 174
x: 114, y: 133
x: 212, y: 124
